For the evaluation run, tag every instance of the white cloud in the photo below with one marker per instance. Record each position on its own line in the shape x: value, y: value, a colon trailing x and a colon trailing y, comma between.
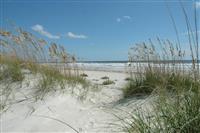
x: 123, y: 18
x: 118, y: 19
x: 127, y: 17
x: 40, y: 29
x: 75, y: 36
x: 197, y: 4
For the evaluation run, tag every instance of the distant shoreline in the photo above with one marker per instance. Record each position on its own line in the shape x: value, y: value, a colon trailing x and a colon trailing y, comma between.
x: 145, y: 61
x: 125, y: 61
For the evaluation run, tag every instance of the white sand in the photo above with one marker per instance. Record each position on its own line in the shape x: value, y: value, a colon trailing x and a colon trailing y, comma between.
x: 94, y: 114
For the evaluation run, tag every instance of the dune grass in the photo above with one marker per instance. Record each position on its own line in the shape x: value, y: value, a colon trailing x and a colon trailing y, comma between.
x: 177, y: 108
x: 11, y: 71
x: 22, y: 52
x: 159, y: 81
x: 170, y: 113
x: 162, y: 72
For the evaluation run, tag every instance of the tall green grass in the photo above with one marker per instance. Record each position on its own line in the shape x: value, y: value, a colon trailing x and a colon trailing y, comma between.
x: 161, y: 71
x: 170, y: 113
x: 11, y: 71
x: 22, y: 52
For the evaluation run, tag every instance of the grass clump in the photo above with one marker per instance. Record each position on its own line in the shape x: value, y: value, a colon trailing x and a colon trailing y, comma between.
x: 49, y: 79
x: 83, y: 75
x: 162, y: 71
x: 137, y: 87
x: 23, y: 52
x: 179, y: 113
x: 158, y: 82
x: 108, y: 82
x: 11, y: 70
x: 105, y: 77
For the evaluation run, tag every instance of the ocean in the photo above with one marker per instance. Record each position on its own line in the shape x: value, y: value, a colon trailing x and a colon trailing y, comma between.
x: 121, y: 66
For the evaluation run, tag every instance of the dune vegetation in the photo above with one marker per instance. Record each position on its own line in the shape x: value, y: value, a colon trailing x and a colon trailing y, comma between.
x: 34, y: 68
x: 108, y: 82
x: 24, y: 55
x: 162, y: 72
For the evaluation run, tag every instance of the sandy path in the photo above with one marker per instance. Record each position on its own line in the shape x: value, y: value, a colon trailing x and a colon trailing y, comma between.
x: 94, y: 114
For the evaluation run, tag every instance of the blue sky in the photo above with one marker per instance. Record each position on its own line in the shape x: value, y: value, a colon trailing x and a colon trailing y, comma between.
x: 98, y: 29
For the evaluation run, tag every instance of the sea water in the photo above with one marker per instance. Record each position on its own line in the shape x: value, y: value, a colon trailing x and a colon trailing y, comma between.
x: 122, y: 66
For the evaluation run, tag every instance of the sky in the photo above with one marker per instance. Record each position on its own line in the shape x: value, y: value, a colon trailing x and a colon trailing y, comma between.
x: 99, y: 29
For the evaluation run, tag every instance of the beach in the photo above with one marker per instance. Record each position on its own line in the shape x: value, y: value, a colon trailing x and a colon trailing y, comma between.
x: 99, y: 66
x: 97, y: 112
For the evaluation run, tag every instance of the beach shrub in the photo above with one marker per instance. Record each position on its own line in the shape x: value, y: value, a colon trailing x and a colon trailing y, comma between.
x: 108, y: 82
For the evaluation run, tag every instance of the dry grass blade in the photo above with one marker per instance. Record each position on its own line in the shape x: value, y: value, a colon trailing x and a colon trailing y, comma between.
x: 48, y: 117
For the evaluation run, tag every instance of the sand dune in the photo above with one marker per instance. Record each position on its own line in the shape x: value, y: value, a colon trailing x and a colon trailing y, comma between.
x: 64, y: 112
